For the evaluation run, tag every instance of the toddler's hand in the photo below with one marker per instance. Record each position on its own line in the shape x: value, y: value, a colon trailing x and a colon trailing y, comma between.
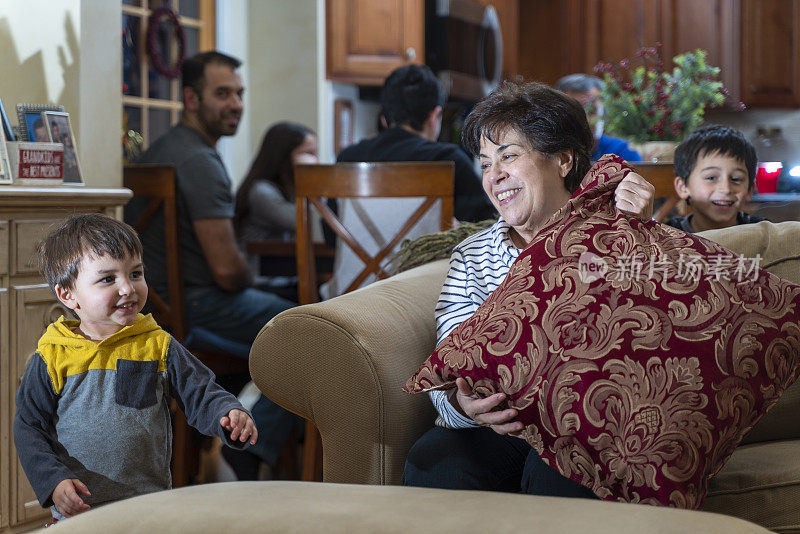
x: 241, y: 427
x: 66, y: 498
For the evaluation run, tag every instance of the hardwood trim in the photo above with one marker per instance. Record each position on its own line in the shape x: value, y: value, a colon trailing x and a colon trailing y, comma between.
x: 208, y: 30
x: 151, y: 102
x: 356, y: 180
x: 13, y: 196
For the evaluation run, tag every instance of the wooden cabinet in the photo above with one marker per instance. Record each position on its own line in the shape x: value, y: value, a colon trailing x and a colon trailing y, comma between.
x: 27, y: 306
x: 367, y: 39
x: 708, y: 24
x: 609, y: 30
x: 771, y: 53
x: 756, y: 43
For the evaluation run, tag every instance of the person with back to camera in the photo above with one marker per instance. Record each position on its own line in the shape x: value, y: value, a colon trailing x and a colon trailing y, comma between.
x: 715, y: 170
x: 534, y: 144
x: 265, y: 207
x: 412, y: 100
x: 93, y: 415
x: 586, y: 90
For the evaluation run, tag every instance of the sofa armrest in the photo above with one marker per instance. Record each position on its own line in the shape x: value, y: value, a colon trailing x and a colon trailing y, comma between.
x: 341, y: 364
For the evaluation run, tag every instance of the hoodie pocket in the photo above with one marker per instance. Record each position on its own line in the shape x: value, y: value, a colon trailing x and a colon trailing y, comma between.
x: 136, y: 382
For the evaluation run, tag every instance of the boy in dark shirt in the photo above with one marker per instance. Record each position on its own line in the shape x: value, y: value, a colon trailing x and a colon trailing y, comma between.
x: 93, y: 406
x: 715, y: 169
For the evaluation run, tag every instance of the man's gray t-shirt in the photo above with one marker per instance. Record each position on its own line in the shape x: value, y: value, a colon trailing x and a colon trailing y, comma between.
x: 204, y: 192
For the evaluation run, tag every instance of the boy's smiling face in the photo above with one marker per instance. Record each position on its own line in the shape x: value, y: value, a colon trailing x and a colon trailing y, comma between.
x: 106, y: 295
x: 717, y: 188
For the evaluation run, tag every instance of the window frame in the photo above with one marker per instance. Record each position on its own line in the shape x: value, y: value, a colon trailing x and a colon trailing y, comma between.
x: 205, y: 23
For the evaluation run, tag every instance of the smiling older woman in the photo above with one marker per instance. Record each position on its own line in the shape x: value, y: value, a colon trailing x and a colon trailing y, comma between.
x: 534, y: 145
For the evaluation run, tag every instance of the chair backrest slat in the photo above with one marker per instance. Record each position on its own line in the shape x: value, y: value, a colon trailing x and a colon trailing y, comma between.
x: 373, y: 180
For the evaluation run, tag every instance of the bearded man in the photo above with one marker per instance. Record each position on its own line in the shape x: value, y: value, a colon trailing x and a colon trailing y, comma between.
x: 216, y: 276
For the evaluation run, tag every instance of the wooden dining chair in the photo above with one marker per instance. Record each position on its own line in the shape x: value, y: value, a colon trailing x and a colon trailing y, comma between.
x: 434, y: 181
x: 155, y: 197
x: 662, y: 176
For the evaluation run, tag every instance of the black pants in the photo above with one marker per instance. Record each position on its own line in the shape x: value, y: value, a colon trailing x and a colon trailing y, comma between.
x: 481, y: 459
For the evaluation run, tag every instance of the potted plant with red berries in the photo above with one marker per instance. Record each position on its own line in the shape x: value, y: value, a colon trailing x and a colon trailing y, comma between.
x: 646, y: 104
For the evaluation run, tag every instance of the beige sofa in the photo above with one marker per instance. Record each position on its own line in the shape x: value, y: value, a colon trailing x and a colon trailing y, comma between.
x: 341, y: 364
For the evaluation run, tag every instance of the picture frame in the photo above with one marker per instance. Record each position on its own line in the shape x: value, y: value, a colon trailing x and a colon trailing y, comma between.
x: 7, y: 130
x: 6, y: 174
x: 343, y: 124
x: 27, y: 114
x: 59, y: 130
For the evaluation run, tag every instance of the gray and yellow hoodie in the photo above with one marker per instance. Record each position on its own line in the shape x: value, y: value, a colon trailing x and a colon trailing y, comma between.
x: 99, y: 411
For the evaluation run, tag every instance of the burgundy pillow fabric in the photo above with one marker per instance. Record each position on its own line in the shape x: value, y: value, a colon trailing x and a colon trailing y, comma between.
x: 637, y: 355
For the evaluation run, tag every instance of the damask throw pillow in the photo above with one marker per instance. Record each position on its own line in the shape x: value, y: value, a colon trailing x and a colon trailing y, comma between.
x: 637, y: 355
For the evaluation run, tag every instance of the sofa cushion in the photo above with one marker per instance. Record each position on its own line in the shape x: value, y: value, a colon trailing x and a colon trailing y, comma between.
x: 760, y: 483
x: 349, y: 508
x: 778, y: 245
x: 637, y: 382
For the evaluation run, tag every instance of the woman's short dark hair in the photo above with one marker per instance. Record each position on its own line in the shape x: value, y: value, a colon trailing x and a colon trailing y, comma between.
x: 715, y: 139
x: 272, y: 164
x: 550, y: 121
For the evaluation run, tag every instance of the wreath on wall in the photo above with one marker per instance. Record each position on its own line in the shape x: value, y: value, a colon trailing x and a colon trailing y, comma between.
x: 158, y: 57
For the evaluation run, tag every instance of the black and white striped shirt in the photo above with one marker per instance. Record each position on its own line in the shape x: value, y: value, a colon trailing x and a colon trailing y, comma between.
x: 477, y: 267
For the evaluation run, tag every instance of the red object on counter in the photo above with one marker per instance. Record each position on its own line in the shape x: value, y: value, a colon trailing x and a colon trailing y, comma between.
x: 767, y: 177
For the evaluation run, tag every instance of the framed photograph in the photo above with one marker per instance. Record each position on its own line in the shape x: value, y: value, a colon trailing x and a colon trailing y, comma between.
x: 5, y: 164
x: 343, y: 126
x: 29, y: 116
x: 59, y: 130
x: 7, y: 131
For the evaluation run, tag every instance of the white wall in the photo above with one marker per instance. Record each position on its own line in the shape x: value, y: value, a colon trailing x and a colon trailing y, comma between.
x: 99, y: 103
x: 284, y: 75
x: 68, y: 52
x: 748, y: 121
x: 232, y: 38
x: 365, y: 114
x: 280, y: 69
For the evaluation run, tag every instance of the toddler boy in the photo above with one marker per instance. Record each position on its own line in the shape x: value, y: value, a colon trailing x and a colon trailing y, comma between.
x: 715, y: 169
x: 93, y: 414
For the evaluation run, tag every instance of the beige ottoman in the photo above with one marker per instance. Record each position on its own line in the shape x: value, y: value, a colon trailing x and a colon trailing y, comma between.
x: 320, y: 507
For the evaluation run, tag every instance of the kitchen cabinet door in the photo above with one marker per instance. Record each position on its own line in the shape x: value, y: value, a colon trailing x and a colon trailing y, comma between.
x: 560, y: 37
x: 368, y: 39
x: 712, y: 25
x: 611, y: 29
x: 771, y: 53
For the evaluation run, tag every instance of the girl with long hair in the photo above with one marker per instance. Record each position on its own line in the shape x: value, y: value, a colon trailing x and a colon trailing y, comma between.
x: 265, y: 208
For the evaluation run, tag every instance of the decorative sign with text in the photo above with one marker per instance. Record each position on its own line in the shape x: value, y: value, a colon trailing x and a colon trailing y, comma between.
x: 36, y: 162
